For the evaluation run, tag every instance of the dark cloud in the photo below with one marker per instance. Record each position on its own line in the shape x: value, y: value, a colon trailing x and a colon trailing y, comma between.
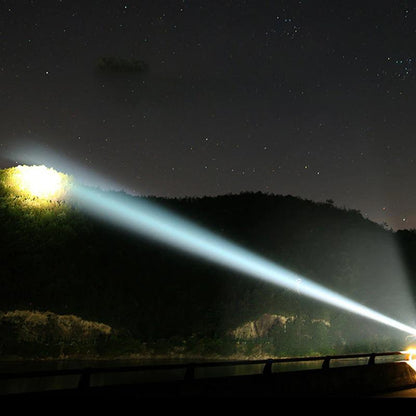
x: 115, y: 64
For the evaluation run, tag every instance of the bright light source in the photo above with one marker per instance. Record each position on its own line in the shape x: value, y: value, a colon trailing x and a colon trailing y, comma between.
x: 410, y: 353
x: 410, y: 357
x: 38, y: 181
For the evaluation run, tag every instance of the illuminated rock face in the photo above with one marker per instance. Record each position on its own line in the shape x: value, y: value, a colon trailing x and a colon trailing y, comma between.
x: 261, y: 327
x: 38, y: 182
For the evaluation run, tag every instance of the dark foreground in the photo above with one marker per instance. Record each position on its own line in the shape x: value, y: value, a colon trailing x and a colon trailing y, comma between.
x: 376, y: 380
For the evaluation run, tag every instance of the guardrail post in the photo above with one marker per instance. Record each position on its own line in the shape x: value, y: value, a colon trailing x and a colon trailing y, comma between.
x: 325, y: 364
x: 190, y: 372
x: 267, y: 370
x: 372, y: 359
x: 84, y: 381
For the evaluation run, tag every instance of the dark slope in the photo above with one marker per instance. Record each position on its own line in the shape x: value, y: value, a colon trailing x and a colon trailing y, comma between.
x: 60, y: 260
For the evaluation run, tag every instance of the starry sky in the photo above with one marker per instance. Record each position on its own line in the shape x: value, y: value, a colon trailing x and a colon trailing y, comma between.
x: 313, y: 98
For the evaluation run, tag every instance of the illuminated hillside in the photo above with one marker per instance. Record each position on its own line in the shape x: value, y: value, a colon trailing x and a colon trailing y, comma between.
x: 36, y: 186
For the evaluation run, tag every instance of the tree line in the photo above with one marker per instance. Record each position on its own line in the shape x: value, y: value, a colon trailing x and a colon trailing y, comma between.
x: 58, y: 259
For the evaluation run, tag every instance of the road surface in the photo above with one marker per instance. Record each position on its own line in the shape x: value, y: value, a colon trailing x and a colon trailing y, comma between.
x: 400, y: 394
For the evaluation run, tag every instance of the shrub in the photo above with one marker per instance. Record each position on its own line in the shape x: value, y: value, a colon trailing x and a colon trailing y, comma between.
x: 47, y: 334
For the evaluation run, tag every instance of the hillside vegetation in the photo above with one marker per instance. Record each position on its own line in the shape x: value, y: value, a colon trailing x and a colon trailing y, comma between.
x: 45, y: 334
x: 55, y: 258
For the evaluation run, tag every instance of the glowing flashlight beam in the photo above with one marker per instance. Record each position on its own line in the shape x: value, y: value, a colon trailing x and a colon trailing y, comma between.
x: 145, y: 218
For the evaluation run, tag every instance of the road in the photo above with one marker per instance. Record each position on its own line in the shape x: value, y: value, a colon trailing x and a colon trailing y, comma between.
x: 399, y: 394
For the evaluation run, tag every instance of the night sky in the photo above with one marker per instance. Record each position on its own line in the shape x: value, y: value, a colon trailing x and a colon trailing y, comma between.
x: 314, y: 98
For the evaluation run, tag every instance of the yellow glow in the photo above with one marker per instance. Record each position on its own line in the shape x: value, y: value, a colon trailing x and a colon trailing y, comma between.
x: 410, y: 356
x: 39, y: 181
x: 410, y: 353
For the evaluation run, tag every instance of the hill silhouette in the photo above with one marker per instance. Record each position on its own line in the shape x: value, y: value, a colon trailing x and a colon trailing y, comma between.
x: 58, y: 259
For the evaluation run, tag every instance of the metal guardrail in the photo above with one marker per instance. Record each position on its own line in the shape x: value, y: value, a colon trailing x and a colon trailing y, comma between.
x: 86, y: 373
